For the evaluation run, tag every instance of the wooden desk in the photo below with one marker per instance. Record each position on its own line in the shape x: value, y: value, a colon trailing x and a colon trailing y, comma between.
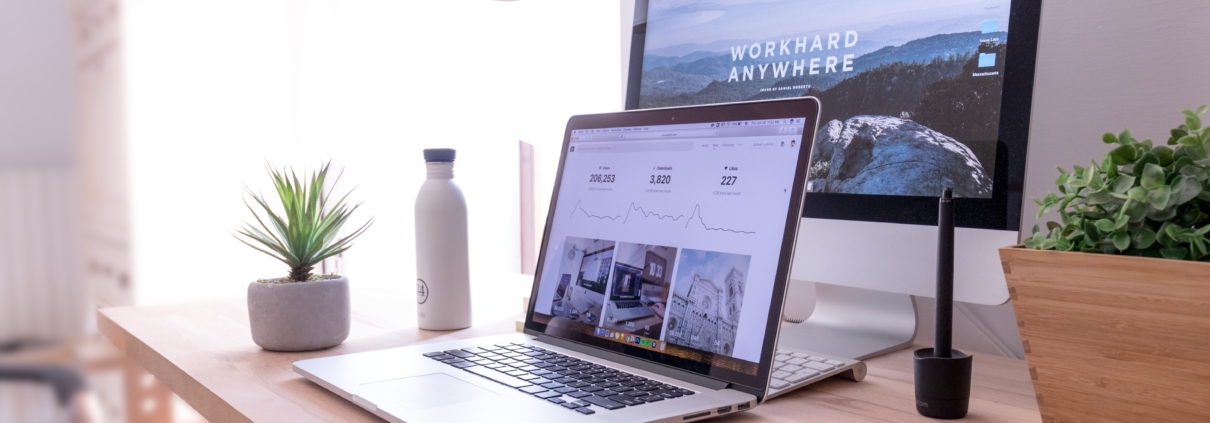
x: 205, y: 354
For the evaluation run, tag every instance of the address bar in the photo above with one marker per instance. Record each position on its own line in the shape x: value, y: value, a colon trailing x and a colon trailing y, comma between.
x: 668, y: 134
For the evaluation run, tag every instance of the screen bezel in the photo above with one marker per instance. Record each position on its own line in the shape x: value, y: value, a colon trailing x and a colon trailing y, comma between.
x: 797, y: 107
x: 1000, y: 212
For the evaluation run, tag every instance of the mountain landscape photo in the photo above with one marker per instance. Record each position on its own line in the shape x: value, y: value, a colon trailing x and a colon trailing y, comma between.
x: 916, y: 98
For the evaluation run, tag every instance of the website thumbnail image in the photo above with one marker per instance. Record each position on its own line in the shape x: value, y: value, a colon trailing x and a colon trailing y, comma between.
x: 639, y: 293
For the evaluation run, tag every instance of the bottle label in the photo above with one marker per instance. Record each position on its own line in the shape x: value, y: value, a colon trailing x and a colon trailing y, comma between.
x: 422, y: 291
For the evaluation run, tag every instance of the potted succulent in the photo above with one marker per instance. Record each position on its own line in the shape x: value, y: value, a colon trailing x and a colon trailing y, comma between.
x: 1113, y: 300
x: 301, y: 311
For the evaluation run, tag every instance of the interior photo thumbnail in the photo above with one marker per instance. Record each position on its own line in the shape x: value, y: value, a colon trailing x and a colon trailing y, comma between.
x: 583, y: 276
x: 707, y: 299
x: 638, y: 296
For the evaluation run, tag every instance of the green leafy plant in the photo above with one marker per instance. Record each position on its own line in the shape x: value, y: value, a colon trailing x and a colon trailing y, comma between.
x: 304, y: 234
x: 1140, y: 199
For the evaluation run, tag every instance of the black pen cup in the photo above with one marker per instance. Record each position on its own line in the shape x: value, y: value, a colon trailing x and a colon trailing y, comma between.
x: 943, y: 384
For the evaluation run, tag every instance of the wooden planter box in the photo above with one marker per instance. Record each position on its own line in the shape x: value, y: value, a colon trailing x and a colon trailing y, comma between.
x: 1113, y: 338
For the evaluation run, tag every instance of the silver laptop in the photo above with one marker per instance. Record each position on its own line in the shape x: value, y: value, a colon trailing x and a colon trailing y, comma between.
x: 688, y: 215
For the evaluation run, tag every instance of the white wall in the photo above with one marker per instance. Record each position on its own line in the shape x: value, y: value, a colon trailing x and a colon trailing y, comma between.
x: 1103, y: 66
x: 41, y: 293
x: 219, y: 86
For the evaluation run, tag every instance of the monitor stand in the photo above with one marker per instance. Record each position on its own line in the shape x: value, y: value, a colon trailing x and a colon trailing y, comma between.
x: 853, y: 322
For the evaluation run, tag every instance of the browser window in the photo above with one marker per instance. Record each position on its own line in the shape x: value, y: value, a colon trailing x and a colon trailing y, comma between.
x: 667, y: 237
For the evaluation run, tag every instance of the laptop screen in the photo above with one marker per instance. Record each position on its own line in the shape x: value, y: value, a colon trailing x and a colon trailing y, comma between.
x: 667, y: 238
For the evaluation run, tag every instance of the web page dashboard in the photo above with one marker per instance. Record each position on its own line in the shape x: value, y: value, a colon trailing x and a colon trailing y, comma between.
x: 668, y: 237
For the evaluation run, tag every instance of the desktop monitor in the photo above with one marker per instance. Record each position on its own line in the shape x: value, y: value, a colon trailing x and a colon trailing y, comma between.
x: 916, y: 96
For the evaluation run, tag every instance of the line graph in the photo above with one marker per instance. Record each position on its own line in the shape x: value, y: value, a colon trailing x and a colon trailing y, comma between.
x: 697, y: 213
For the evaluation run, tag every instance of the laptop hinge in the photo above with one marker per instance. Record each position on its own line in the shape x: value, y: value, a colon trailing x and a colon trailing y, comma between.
x: 677, y: 374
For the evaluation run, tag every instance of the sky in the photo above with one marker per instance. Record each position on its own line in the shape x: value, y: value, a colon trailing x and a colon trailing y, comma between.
x: 709, y: 265
x: 675, y: 22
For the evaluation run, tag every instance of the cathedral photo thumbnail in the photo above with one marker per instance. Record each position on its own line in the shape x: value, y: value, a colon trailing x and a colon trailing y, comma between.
x: 707, y: 300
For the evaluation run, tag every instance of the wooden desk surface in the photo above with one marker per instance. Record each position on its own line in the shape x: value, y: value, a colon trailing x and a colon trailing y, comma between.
x: 205, y: 354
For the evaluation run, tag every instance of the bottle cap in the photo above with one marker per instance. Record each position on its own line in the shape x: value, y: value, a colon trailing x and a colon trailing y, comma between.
x: 438, y: 154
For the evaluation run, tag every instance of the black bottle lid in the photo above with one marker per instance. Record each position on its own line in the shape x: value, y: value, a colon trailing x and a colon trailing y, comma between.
x: 439, y: 154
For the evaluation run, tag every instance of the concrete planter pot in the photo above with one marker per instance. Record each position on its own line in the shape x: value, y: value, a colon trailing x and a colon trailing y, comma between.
x: 299, y: 316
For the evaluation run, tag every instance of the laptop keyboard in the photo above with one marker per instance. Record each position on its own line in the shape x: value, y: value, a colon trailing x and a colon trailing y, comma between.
x: 561, y: 380
x: 628, y: 304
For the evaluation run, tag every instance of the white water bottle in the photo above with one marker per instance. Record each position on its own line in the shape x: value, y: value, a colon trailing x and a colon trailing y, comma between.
x: 443, y: 286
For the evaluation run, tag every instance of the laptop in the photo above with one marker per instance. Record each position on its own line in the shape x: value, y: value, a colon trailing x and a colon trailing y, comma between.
x: 625, y: 304
x: 711, y: 197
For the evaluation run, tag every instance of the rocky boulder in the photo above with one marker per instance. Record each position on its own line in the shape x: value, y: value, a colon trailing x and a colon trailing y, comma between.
x: 893, y: 156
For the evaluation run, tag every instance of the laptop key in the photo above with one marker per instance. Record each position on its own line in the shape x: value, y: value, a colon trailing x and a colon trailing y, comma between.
x: 527, y: 377
x: 636, y: 393
x: 606, y: 393
x: 579, y: 394
x: 652, y: 398
x: 666, y: 393
x: 570, y: 405
x: 547, y: 395
x: 578, y: 384
x: 434, y: 353
x: 442, y: 357
x: 582, y: 403
x: 592, y: 388
x: 566, y: 380
x: 474, y: 350
x: 556, y: 400
x: 552, y: 385
x: 459, y: 353
x: 778, y: 383
x: 625, y: 400
x: 566, y: 389
x: 532, y: 389
x: 463, y: 364
x: 540, y: 381
x: 603, y: 402
x: 621, y: 389
x: 516, y: 373
x: 497, y: 376
x: 686, y: 392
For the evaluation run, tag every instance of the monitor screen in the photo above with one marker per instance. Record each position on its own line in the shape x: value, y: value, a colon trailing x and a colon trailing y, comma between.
x: 686, y: 223
x: 911, y: 90
x: 626, y: 282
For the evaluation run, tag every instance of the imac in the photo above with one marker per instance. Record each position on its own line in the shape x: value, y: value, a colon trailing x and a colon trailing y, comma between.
x: 916, y: 97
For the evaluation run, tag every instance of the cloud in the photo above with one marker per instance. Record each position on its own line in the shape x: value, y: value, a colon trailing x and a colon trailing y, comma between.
x: 674, y: 4
x: 690, y: 19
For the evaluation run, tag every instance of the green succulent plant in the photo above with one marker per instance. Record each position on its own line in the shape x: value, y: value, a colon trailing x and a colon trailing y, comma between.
x: 1141, y: 199
x: 305, y: 233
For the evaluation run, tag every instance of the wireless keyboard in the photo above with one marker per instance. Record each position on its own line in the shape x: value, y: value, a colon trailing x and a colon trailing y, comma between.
x: 793, y: 369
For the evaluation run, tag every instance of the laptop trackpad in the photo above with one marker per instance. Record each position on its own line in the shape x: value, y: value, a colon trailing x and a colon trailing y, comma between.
x: 421, y: 392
